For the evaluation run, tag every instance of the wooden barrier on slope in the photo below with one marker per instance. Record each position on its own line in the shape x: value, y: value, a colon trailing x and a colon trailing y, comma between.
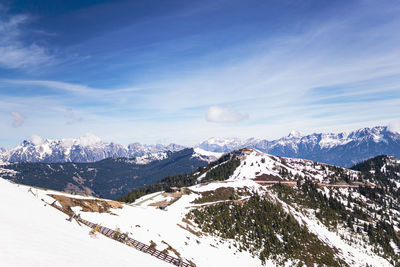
x: 123, y: 238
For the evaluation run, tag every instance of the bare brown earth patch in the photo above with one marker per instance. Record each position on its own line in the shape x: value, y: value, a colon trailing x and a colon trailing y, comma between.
x: 87, y: 205
x: 187, y: 228
x: 74, y: 189
x: 171, y: 249
x: 187, y: 222
x: 175, y: 196
x: 159, y: 203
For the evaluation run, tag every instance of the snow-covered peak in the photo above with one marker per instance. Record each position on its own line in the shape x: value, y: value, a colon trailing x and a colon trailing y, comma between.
x: 222, y: 141
x: 87, y: 148
x: 206, y: 155
x: 332, y: 140
x: 255, y: 164
x: 221, y: 144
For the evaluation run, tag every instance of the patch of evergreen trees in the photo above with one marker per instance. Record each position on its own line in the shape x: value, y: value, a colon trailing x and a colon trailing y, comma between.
x: 264, y: 229
x: 331, y: 212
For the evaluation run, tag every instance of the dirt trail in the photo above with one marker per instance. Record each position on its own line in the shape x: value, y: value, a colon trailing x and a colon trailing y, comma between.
x: 147, y: 199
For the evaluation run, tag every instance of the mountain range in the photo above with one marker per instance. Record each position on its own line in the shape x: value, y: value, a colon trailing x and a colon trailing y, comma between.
x: 88, y: 148
x: 109, y: 178
x: 341, y: 149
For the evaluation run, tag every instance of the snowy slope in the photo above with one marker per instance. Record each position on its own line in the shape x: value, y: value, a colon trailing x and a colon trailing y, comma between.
x: 34, y: 234
x: 261, y: 166
x: 147, y: 223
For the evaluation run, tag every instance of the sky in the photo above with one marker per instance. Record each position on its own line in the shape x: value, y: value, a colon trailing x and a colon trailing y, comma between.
x: 184, y: 71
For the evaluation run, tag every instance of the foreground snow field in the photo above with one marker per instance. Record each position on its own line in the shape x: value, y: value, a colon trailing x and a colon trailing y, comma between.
x: 33, y: 234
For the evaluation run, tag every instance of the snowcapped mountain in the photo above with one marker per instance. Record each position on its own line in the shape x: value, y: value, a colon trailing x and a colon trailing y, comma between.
x: 220, y: 144
x: 342, y: 149
x: 88, y: 148
x: 281, y: 211
x: 206, y: 155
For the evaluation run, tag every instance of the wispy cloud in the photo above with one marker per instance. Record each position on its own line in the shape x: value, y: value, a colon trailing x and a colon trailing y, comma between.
x: 14, y: 53
x: 18, y: 119
x: 76, y: 89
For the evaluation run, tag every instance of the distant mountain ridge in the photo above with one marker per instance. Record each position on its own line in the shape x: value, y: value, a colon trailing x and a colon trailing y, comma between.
x: 88, y: 148
x: 341, y: 149
x: 108, y: 178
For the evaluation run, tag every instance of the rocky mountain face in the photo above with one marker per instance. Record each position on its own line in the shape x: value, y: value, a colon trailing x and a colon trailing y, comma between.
x: 88, y: 148
x: 342, y: 149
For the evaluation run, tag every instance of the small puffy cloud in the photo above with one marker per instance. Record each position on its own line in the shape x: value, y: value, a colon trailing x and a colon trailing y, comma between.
x: 36, y: 139
x: 394, y: 126
x: 18, y: 119
x: 224, y: 115
x: 89, y: 139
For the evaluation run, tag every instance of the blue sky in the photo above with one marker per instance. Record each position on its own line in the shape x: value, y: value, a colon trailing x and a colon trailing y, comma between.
x: 184, y: 71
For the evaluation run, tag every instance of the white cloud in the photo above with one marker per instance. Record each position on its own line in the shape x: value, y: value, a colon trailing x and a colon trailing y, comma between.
x: 18, y: 119
x: 36, y: 139
x: 16, y: 56
x: 89, y: 139
x: 394, y: 126
x: 224, y: 115
x: 78, y: 89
